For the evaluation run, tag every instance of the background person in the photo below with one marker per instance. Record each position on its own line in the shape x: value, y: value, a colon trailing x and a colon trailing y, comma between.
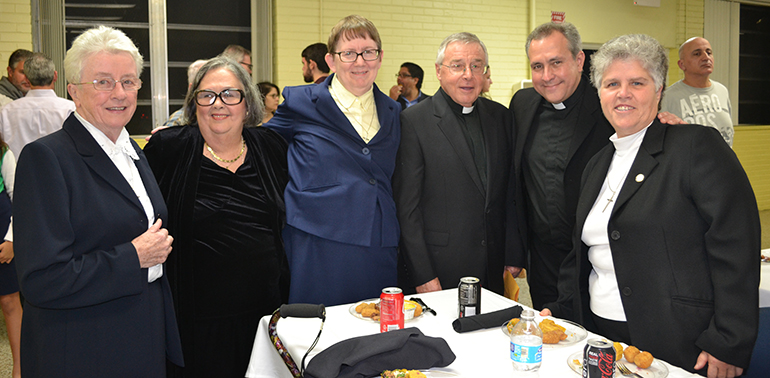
x: 272, y: 97
x: 668, y: 234
x: 89, y: 253
x: 223, y: 180
x: 239, y: 54
x: 314, y: 67
x: 177, y: 118
x: 40, y: 112
x: 409, y: 82
x: 9, y: 283
x: 487, y: 84
x: 15, y: 85
x: 697, y: 99
x: 342, y: 233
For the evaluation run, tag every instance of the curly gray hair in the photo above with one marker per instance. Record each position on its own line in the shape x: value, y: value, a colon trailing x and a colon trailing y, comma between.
x: 639, y: 47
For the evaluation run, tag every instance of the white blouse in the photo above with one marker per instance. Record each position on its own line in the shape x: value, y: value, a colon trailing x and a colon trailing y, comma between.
x: 602, y: 283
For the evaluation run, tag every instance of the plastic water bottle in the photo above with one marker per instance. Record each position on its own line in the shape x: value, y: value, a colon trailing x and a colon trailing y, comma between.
x: 526, y: 343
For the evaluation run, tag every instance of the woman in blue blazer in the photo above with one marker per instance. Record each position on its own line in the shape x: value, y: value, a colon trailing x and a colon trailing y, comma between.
x: 342, y: 234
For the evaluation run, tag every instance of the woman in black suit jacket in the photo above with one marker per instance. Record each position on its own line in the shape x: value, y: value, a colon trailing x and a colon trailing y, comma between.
x: 666, y: 251
x: 89, y: 237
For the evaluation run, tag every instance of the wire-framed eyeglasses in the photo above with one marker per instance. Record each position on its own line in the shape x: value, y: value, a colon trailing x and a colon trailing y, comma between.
x: 351, y: 56
x: 205, y: 97
x: 108, y: 84
x: 476, y: 69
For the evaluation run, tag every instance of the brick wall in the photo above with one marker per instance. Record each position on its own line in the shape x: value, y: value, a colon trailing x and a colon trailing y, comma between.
x: 15, y: 29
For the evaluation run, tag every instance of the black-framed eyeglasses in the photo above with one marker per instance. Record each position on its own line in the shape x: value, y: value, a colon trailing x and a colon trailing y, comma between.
x: 351, y: 56
x: 476, y: 69
x: 205, y: 97
x: 403, y: 75
x: 108, y: 84
x: 251, y: 67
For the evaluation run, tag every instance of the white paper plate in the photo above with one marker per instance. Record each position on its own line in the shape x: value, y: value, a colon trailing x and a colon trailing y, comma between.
x: 575, y: 332
x: 352, y: 310
x: 656, y: 370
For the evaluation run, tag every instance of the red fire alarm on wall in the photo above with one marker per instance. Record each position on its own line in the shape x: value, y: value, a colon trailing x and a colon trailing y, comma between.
x: 557, y: 17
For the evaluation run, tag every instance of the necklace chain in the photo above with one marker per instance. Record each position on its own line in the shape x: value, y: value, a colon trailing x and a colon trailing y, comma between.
x: 366, y: 129
x: 211, y: 151
x: 612, y: 197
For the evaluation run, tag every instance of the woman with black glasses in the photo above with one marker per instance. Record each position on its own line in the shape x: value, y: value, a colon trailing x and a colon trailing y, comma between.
x: 342, y: 233
x: 223, y: 181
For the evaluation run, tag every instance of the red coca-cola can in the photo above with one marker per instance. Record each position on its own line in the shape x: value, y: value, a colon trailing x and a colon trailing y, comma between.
x: 391, y: 309
x: 598, y: 359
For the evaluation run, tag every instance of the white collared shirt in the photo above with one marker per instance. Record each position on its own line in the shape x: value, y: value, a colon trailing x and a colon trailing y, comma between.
x: 122, y: 154
x: 361, y: 111
x: 33, y: 116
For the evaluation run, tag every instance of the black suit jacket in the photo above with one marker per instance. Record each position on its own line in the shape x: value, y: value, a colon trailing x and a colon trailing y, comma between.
x: 592, y: 132
x: 685, y: 240
x: 450, y: 226
x: 89, y: 311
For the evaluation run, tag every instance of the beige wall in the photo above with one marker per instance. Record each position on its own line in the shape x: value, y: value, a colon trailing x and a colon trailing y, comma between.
x: 751, y: 145
x: 412, y: 31
x: 15, y: 29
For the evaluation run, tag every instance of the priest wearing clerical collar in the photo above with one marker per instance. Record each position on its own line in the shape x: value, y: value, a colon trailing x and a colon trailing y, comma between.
x: 452, y: 171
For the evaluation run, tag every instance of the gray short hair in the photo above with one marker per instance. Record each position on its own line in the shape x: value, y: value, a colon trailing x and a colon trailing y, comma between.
x: 96, y: 40
x: 236, y: 52
x: 639, y: 47
x: 40, y: 70
x: 255, y: 108
x: 569, y: 31
x: 192, y: 70
x: 464, y: 37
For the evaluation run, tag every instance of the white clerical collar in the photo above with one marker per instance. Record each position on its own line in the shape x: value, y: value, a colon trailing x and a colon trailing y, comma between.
x: 559, y: 106
x: 468, y: 109
x: 122, y: 144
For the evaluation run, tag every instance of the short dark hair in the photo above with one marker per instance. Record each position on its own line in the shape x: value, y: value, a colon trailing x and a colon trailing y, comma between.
x: 17, y: 56
x: 317, y: 53
x: 416, y: 72
x: 40, y: 70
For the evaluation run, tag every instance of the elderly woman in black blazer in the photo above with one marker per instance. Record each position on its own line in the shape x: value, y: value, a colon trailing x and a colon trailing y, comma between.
x: 90, y: 235
x: 666, y: 253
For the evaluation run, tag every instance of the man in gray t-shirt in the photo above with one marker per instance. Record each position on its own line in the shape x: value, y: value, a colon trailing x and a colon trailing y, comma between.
x: 698, y: 99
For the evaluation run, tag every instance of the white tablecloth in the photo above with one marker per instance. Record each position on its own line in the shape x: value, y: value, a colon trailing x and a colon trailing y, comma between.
x: 483, y: 353
x: 764, y: 282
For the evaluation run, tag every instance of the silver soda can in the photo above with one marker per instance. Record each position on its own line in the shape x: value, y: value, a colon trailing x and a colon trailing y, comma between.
x: 468, y: 297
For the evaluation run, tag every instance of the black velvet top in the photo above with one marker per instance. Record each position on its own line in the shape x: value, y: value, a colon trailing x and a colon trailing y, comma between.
x: 228, y: 266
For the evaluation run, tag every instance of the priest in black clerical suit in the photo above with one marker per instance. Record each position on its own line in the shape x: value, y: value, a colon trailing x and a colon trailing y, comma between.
x: 452, y: 171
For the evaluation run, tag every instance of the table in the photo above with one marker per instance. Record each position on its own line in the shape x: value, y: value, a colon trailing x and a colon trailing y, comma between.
x: 483, y: 353
x: 764, y: 282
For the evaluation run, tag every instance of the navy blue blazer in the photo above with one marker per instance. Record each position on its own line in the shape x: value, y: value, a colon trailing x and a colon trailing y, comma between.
x: 336, y: 179
x: 89, y: 311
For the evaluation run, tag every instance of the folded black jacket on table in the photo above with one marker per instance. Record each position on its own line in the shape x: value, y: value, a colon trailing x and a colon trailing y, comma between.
x: 368, y: 356
x: 488, y: 320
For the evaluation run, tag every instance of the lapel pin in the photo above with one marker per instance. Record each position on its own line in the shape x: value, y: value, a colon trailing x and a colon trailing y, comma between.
x: 639, y: 177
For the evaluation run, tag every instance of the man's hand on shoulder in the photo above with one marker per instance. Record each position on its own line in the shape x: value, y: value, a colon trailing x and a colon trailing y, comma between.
x: 670, y: 118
